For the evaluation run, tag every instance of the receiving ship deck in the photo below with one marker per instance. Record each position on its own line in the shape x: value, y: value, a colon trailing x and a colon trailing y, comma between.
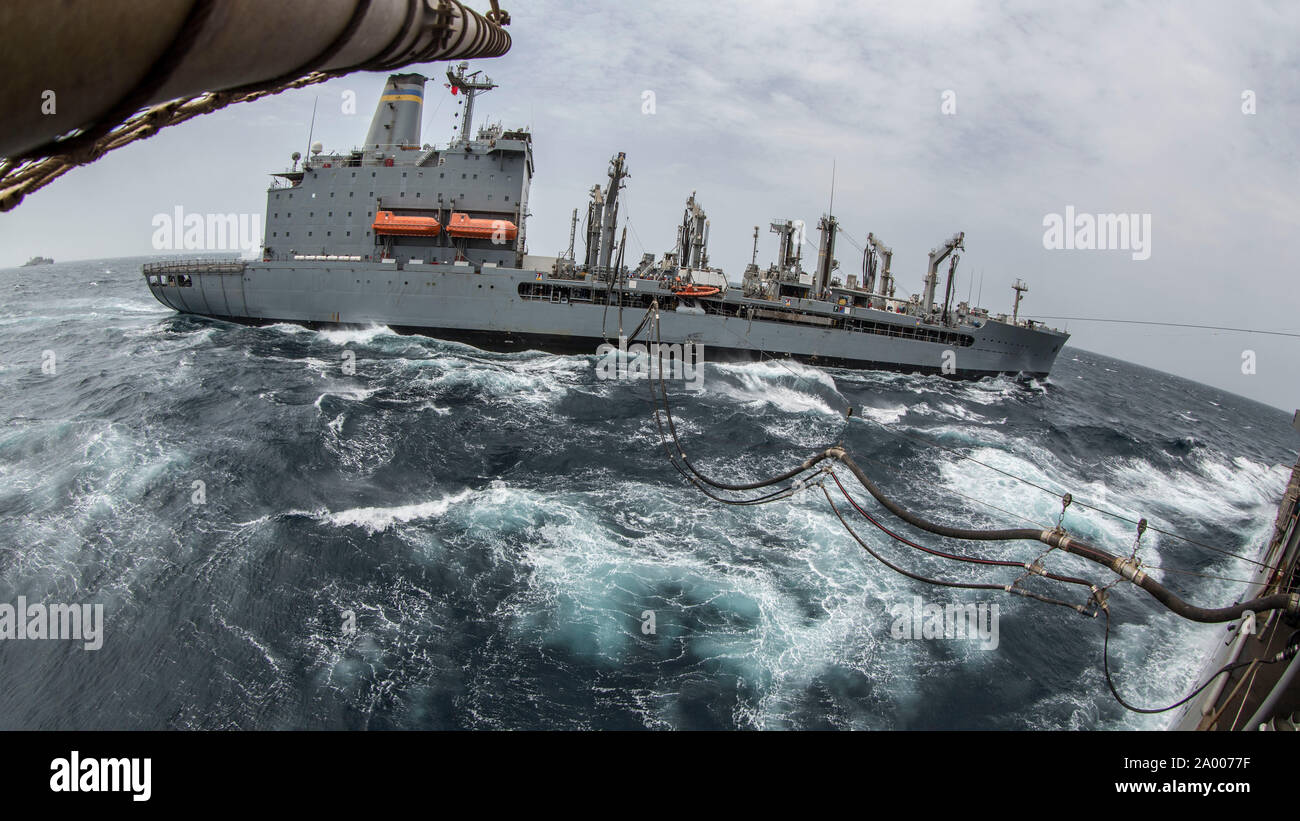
x: 1259, y: 695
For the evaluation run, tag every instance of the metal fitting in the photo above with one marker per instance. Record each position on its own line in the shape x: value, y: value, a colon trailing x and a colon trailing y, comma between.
x: 1130, y: 569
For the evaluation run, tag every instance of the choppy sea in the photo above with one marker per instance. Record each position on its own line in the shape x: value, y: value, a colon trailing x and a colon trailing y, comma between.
x: 452, y: 538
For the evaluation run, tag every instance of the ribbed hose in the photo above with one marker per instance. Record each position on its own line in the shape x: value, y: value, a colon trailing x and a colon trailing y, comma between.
x: 1289, y: 602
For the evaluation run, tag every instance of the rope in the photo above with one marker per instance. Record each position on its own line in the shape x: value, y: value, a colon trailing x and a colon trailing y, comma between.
x: 20, y: 177
x: 1171, y: 325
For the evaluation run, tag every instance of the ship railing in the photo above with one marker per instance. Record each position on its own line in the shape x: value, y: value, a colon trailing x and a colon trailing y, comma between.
x: 195, y: 266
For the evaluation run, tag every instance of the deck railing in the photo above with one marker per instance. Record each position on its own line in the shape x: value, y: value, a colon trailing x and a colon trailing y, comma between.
x: 195, y: 266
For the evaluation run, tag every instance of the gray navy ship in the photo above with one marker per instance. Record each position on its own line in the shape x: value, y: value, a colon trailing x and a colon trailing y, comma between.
x: 432, y: 240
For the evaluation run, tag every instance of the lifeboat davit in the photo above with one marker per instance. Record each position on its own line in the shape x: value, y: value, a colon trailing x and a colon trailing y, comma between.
x: 462, y: 226
x: 387, y: 223
x: 697, y: 290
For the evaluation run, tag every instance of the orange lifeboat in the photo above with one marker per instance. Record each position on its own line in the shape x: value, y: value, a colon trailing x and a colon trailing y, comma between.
x: 462, y: 226
x: 696, y: 290
x: 386, y: 223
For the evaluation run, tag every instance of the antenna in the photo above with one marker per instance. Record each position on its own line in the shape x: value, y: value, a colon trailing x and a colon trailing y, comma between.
x: 573, y: 229
x: 831, y: 208
x: 311, y: 130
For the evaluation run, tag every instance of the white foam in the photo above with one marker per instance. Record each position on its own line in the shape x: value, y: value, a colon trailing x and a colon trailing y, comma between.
x: 883, y: 416
x: 350, y: 394
x: 335, y: 424
x: 756, y: 391
x: 375, y: 519
x: 287, y: 328
x: 782, y: 371
x: 540, y: 380
x: 354, y: 336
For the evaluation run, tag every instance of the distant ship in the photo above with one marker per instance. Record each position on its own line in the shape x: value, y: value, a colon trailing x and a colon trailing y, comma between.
x: 431, y: 240
x: 37, y: 261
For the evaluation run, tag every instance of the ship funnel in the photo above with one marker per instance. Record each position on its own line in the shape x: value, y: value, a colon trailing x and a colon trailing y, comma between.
x: 397, y: 117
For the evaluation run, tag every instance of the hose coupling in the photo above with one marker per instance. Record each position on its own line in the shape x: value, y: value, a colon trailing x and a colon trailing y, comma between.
x: 1130, y: 569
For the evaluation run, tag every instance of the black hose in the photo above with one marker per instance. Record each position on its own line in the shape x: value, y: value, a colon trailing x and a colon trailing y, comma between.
x: 1289, y: 602
x: 954, y: 556
x: 1005, y: 588
x: 1227, y: 668
x: 1012, y: 534
x: 789, y: 474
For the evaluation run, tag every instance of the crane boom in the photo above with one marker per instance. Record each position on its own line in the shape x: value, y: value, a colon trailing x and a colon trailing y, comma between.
x: 937, y: 256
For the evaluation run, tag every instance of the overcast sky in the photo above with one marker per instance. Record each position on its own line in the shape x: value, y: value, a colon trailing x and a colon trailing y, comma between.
x: 1106, y: 107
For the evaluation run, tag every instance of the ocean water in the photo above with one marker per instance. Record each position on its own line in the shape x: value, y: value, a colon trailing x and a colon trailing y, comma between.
x: 450, y: 538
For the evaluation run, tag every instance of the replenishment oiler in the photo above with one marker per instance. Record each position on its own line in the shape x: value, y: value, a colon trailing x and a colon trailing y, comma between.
x: 432, y: 241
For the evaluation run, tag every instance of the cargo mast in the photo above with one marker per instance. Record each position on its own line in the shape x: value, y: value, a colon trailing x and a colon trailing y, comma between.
x: 617, y: 172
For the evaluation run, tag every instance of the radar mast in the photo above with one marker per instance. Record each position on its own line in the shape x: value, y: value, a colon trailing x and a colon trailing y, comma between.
x: 470, y: 86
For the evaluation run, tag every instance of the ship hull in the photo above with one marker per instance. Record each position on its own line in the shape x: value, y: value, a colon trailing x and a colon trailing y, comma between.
x: 500, y: 309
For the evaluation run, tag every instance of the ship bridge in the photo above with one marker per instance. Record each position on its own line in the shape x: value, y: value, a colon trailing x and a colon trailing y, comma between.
x: 395, y: 198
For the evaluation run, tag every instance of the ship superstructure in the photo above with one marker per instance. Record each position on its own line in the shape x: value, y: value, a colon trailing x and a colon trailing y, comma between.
x: 394, y: 198
x: 432, y: 240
